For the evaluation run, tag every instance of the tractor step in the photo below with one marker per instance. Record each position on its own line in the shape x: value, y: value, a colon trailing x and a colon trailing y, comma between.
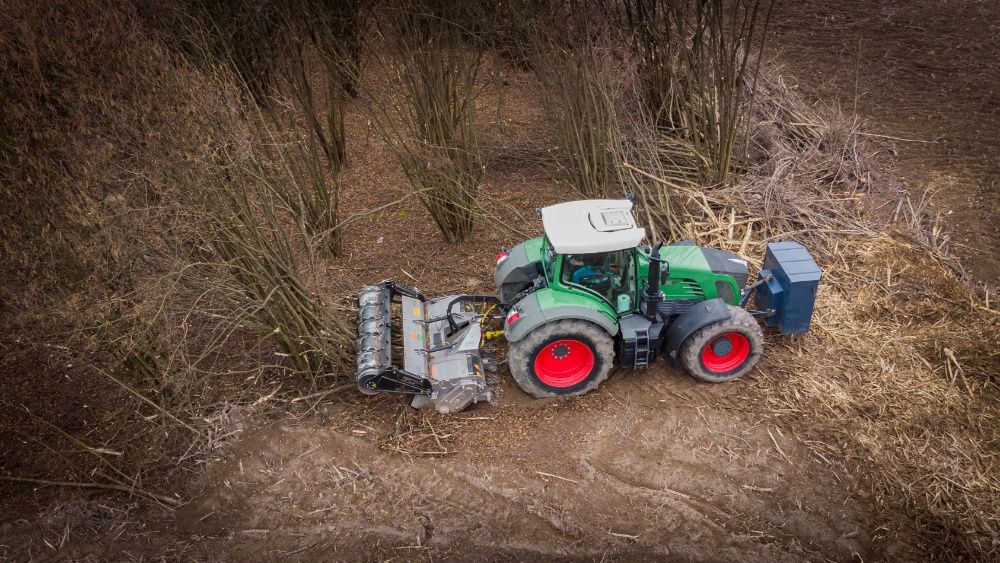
x: 638, y: 342
x: 441, y: 337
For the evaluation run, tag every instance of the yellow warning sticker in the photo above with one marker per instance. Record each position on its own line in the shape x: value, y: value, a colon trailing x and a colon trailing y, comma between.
x: 416, y: 311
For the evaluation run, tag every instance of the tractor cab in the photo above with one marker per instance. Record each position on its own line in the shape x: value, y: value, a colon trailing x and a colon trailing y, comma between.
x: 608, y: 275
x: 590, y: 247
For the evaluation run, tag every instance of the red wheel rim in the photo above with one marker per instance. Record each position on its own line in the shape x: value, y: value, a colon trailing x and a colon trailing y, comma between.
x: 716, y: 358
x: 564, y: 363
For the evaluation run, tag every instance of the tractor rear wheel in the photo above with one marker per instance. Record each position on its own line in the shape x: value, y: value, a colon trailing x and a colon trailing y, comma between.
x: 725, y: 350
x: 561, y: 358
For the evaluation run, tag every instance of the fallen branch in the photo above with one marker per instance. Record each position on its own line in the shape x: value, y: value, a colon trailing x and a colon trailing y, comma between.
x: 150, y: 402
x: 81, y: 485
x: 357, y: 216
x: 892, y: 138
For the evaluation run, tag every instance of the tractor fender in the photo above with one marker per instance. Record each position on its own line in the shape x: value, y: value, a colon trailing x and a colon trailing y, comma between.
x: 533, y: 316
x: 696, y: 317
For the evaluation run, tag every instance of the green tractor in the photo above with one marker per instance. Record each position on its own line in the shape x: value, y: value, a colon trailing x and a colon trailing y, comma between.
x: 581, y: 299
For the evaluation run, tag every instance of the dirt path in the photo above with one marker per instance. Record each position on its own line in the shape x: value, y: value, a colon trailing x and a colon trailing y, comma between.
x: 927, y: 70
x: 652, y: 466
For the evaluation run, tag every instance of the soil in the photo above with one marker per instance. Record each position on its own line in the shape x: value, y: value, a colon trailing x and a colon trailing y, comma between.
x: 650, y: 469
x: 652, y: 465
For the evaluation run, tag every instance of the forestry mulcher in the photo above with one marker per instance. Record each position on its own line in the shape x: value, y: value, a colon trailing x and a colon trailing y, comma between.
x: 584, y: 297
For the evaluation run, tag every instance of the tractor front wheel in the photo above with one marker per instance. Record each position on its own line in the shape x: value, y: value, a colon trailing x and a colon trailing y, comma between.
x: 561, y: 358
x: 725, y: 350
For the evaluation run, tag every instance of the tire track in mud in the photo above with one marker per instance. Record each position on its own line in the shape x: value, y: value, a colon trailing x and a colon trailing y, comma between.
x: 736, y: 484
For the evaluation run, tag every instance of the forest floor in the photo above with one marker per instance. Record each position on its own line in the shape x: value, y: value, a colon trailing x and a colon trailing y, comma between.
x: 652, y: 465
x: 924, y: 74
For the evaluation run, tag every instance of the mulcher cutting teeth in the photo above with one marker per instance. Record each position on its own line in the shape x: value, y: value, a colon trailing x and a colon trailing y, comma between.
x: 374, y: 348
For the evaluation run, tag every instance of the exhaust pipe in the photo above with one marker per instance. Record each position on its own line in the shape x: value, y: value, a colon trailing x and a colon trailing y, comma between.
x: 651, y: 296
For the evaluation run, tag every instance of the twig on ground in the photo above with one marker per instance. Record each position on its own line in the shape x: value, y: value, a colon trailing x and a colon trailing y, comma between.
x: 544, y: 474
x: 82, y: 485
x: 775, y: 442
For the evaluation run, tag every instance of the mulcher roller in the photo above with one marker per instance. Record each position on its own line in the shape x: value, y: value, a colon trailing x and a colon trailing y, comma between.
x: 374, y: 348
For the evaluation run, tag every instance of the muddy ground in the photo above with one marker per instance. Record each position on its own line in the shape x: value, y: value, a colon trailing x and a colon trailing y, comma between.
x: 652, y: 466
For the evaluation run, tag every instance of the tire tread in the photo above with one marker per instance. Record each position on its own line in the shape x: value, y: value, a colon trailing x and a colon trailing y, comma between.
x: 520, y: 360
x: 739, y: 321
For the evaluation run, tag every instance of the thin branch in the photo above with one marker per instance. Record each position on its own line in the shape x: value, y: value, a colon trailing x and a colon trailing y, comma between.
x: 81, y: 485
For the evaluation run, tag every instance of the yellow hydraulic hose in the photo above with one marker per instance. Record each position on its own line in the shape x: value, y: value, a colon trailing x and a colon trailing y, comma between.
x: 490, y: 334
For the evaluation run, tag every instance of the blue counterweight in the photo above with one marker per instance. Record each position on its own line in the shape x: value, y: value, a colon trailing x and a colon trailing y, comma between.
x: 791, y: 292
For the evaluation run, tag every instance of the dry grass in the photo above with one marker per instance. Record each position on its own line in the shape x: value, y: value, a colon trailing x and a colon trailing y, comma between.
x: 898, y: 368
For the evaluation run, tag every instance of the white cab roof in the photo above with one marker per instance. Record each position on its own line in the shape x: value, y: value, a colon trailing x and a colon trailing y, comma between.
x: 591, y: 225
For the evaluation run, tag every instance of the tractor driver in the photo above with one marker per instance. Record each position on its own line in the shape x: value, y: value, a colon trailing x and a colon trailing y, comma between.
x: 584, y: 266
x: 600, y: 272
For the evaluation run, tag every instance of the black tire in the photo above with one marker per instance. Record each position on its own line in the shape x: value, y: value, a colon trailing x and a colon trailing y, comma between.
x: 523, y: 353
x: 698, y: 353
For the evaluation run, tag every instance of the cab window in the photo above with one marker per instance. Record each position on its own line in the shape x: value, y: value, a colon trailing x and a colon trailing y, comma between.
x: 609, y: 274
